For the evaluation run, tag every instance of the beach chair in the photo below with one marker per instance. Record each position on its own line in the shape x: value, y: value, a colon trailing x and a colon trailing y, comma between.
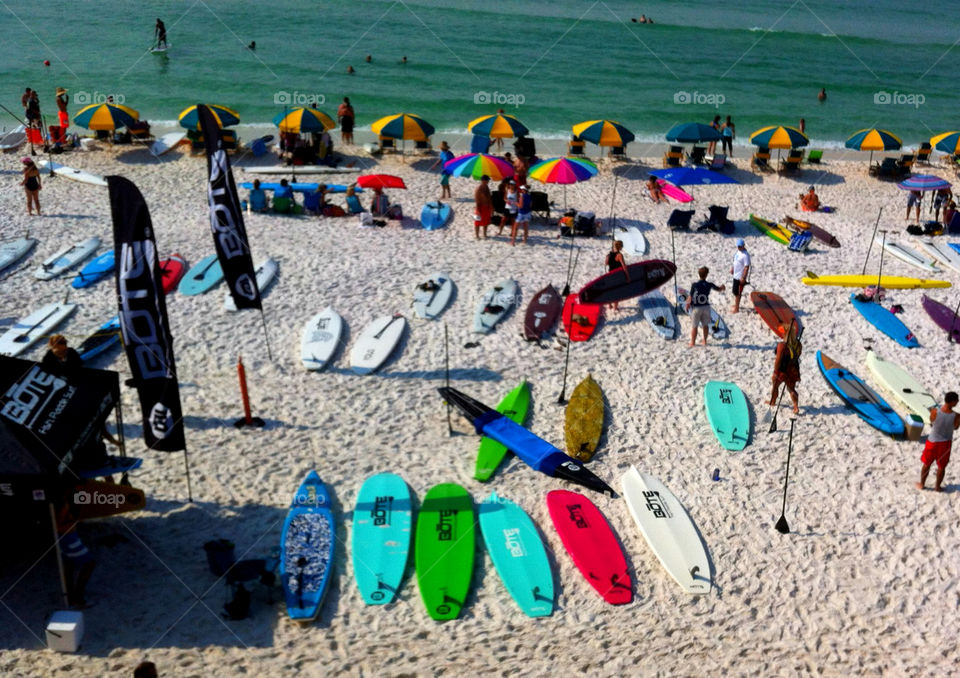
x: 815, y: 157
x: 886, y: 169
x: 229, y: 139
x: 423, y: 146
x: 680, y: 220
x: 540, y: 205
x: 923, y: 153
x: 800, y: 241
x: 718, y: 221
x: 905, y: 165
x: 524, y: 147
x: 618, y: 152
x: 718, y: 162
x: 140, y: 131
x: 697, y: 154
x: 761, y: 160
x: 575, y: 146
x: 791, y: 163
x: 387, y: 144
x: 673, y: 158
x: 479, y: 144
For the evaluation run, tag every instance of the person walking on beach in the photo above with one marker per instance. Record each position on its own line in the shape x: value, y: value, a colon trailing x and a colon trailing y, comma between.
x: 727, y: 133
x: 914, y: 198
x: 943, y: 422
x: 484, y: 207
x: 712, y: 146
x: 698, y: 304
x: 524, y: 212
x: 614, y: 261
x: 31, y: 105
x: 786, y: 367
x: 62, y: 118
x: 446, y: 155
x: 160, y: 33
x: 498, y: 142
x: 803, y: 125
x: 31, y: 185
x: 740, y: 271
x: 940, y: 200
x: 346, y: 116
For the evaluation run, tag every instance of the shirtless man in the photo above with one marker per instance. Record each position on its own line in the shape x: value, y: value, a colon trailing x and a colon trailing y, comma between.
x: 484, y: 207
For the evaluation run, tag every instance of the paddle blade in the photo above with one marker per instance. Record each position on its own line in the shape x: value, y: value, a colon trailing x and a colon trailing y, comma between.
x: 773, y: 425
x: 782, y: 526
x: 566, y: 290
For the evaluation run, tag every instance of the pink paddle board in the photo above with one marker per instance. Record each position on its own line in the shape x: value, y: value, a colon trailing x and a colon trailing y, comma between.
x: 674, y: 192
x: 592, y: 544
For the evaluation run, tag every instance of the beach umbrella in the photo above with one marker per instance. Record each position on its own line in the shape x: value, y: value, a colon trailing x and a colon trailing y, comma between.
x: 563, y: 171
x: 873, y: 140
x: 300, y: 120
x: 403, y: 126
x: 105, y: 116
x: 698, y: 176
x: 603, y: 132
x: 778, y: 136
x: 948, y: 142
x: 923, y: 182
x: 498, y: 126
x: 225, y: 117
x: 477, y: 164
x: 380, y: 181
x: 692, y: 133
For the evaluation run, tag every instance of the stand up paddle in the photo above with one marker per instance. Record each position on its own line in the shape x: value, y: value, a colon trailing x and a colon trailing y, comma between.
x: 773, y: 424
x: 782, y: 526
x: 883, y: 242
x: 870, y: 244
x: 562, y: 400
x: 26, y: 335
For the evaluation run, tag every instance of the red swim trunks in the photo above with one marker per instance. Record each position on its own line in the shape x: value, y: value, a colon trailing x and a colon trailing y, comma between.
x: 482, y: 216
x: 936, y: 452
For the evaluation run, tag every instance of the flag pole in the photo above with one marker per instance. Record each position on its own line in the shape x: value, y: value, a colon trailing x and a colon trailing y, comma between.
x: 266, y: 336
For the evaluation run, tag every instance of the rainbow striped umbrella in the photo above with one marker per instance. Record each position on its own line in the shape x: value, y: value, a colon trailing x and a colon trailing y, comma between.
x: 225, y: 117
x: 923, y: 182
x: 403, y: 126
x: 477, y: 164
x: 563, y: 171
x: 300, y: 120
x: 778, y: 136
x: 105, y: 116
x: 603, y: 132
x: 948, y: 142
x: 499, y: 126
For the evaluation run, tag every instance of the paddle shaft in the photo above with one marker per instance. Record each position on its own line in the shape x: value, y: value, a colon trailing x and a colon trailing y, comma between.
x: 562, y: 400
x: 870, y: 244
x: 782, y: 523
x: 676, y: 290
x: 956, y: 313
x: 24, y: 335
x: 883, y: 242
x: 446, y: 353
x: 377, y: 335
x: 206, y: 268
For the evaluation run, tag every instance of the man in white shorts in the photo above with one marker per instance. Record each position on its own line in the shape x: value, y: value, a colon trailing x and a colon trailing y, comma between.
x: 698, y: 304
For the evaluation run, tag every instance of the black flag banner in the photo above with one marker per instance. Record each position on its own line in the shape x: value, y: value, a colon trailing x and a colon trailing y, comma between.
x: 143, y: 318
x: 226, y: 218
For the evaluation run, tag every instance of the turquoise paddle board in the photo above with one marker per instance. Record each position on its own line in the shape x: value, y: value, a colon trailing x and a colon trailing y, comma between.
x: 382, y: 528
x: 306, y: 549
x: 435, y: 215
x: 96, y: 270
x: 204, y: 276
x: 885, y: 321
x: 517, y: 552
x: 728, y: 413
x: 300, y: 187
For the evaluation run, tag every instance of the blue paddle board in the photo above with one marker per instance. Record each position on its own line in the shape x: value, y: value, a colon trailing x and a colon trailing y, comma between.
x: 382, y: 528
x: 864, y: 400
x: 300, y: 187
x: 204, y: 276
x: 955, y: 245
x: 517, y: 552
x: 103, y: 338
x: 885, y: 321
x: 306, y: 549
x: 435, y: 215
x: 96, y: 270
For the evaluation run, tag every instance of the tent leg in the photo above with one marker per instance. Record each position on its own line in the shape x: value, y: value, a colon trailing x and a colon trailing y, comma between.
x: 56, y: 543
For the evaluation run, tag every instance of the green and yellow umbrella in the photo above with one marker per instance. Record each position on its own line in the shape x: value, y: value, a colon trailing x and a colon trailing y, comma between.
x: 603, y: 132
x: 498, y: 126
x: 778, y: 136
x: 300, y: 120
x: 225, y: 117
x: 106, y: 117
x: 948, y: 142
x: 403, y: 126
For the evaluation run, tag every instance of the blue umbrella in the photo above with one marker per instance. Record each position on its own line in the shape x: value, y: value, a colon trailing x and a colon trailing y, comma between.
x: 697, y: 176
x: 692, y: 133
x: 923, y: 182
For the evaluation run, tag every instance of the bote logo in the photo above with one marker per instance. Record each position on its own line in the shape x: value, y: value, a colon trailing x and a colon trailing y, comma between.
x: 656, y: 505
x: 445, y: 525
x: 576, y: 515
x: 381, y: 510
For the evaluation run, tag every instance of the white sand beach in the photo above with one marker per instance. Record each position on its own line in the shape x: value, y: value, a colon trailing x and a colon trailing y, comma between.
x: 865, y: 583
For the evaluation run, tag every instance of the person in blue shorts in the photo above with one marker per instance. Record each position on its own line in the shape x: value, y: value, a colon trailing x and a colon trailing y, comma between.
x: 446, y: 155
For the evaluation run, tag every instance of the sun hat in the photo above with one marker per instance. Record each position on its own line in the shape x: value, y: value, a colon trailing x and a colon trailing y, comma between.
x: 61, y: 90
x: 740, y: 242
x: 26, y: 161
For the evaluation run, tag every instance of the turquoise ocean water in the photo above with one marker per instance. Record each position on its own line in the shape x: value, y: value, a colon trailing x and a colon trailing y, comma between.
x: 884, y: 63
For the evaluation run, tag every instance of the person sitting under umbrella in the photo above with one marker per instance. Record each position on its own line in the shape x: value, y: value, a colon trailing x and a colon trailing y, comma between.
x: 380, y: 206
x: 655, y: 191
x: 810, y: 201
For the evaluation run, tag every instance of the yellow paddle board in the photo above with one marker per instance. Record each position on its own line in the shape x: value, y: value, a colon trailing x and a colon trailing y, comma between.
x: 891, y: 282
x: 584, y: 420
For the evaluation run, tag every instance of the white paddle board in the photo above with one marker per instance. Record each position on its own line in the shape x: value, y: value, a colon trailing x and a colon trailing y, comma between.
x: 266, y: 272
x: 494, y: 305
x: 907, y: 254
x: 376, y: 343
x: 167, y: 142
x: 13, y: 251
x: 634, y: 243
x: 300, y: 169
x: 66, y: 258
x: 59, y: 170
x: 321, y: 336
x: 37, y: 325
x: 902, y: 385
x: 718, y: 328
x: 940, y: 251
x: 668, y: 529
x: 13, y: 139
x: 659, y: 313
x: 431, y: 296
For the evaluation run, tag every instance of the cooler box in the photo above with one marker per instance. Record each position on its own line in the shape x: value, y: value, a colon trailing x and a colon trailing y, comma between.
x: 914, y: 427
x: 65, y: 631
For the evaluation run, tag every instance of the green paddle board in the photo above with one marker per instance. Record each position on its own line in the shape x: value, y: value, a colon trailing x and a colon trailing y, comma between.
x: 491, y: 453
x: 728, y: 413
x: 444, y: 550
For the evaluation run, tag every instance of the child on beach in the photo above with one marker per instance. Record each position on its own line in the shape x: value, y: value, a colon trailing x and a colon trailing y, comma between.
x: 786, y: 367
x: 31, y: 185
x: 712, y: 146
x: 740, y: 270
x: 727, y: 133
x: 698, y: 304
x: 943, y: 422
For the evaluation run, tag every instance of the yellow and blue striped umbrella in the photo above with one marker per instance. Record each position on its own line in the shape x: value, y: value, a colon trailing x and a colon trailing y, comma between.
x: 948, y: 142
x: 225, y: 117
x: 603, y: 132
x: 874, y: 140
x: 403, y: 126
x: 105, y: 116
x: 498, y: 126
x: 300, y: 120
x: 778, y: 136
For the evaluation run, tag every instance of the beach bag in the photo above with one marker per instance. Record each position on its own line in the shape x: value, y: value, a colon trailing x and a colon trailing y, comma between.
x: 913, y: 229
x: 933, y: 228
x: 366, y: 220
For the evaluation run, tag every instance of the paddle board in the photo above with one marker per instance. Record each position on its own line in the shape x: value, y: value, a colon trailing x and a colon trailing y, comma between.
x: 167, y: 143
x: 771, y: 229
x: 100, y: 340
x: 171, y: 271
x: 775, y: 312
x: 443, y: 550
x: 591, y: 543
x: 820, y: 234
x: 266, y: 272
x: 300, y: 169
x: 941, y: 252
x: 885, y: 321
x: 13, y: 139
x: 112, y: 465
x: 861, y: 398
x: 111, y: 499
x: 376, y: 343
x: 580, y: 320
x: 96, y: 270
x: 435, y: 215
x: 515, y: 406
x: 55, y: 168
x: 727, y: 413
x: 306, y: 549
x: 668, y: 529
x: 320, y: 339
x: 494, y: 305
x: 518, y: 554
x: 955, y: 246
x: 902, y: 385
x: 633, y: 281
x: 891, y: 282
x: 300, y: 187
x: 634, y: 243
x: 205, y: 275
x: 674, y: 192
x: 718, y: 328
x: 431, y: 296
x: 382, y: 529
x: 583, y: 423
x: 911, y: 256
x: 542, y: 313
x: 66, y: 258
x: 13, y: 251
x: 38, y: 325
x: 659, y: 313
x: 946, y: 318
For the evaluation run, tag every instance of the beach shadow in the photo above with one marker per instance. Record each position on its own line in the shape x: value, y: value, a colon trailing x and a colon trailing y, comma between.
x: 71, y: 216
x: 143, y: 156
x: 817, y: 177
x: 634, y: 171
x: 744, y: 176
x: 636, y: 223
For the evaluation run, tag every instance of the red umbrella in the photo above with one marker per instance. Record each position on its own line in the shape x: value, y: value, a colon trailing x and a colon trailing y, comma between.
x: 380, y: 181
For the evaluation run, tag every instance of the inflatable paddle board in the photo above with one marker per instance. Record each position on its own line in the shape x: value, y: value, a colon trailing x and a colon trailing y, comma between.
x: 443, y: 551
x: 55, y: 168
x: 266, y: 272
x: 775, y: 312
x: 494, y: 305
x: 771, y: 229
x: 301, y: 169
x: 204, y: 276
x: 306, y: 549
x: 100, y: 340
x: 13, y: 251
x: 861, y: 398
x: 66, y: 258
x: 514, y: 406
x: 95, y: 271
x: 435, y: 215
x: 320, y: 339
x: 902, y: 385
x: 38, y: 325
x: 583, y: 424
x: 945, y: 317
x: 300, y: 187
x: 634, y: 243
x: 659, y: 313
x: 621, y: 284
x: 580, y: 320
x: 167, y: 143
x: 727, y: 413
x: 382, y: 529
x: 885, y: 321
x: 376, y: 343
x: 13, y: 139
x: 431, y: 296
x: 891, y: 282
x: 542, y: 313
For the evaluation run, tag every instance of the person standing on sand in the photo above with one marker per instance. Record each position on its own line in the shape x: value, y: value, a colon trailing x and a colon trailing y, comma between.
x: 446, y: 155
x: 484, y: 207
x: 698, y: 304
x: 786, y: 367
x: 31, y: 184
x: 498, y: 142
x: 346, y: 115
x: 914, y: 198
x: 740, y: 271
x: 614, y: 261
x: 943, y: 422
x: 63, y: 119
x: 727, y: 133
x: 712, y: 146
x: 524, y: 211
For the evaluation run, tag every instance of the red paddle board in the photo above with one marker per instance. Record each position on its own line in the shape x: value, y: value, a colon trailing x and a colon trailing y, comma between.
x: 775, y: 312
x: 172, y: 269
x: 592, y: 544
x: 580, y: 320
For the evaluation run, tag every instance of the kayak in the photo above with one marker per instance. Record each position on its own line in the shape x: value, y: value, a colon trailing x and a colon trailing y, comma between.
x: 771, y: 229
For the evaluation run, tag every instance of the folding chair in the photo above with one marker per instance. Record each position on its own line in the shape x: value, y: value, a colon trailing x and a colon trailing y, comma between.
x: 540, y: 205
x: 761, y: 160
x: 923, y: 153
x: 718, y: 162
x: 815, y: 157
x: 697, y: 154
x: 575, y: 146
x: 680, y: 220
x: 387, y: 144
x: 618, y: 152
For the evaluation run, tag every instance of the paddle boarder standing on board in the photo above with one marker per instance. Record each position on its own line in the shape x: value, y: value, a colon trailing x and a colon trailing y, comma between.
x: 943, y: 422
x: 160, y: 32
x: 786, y: 367
x: 740, y: 270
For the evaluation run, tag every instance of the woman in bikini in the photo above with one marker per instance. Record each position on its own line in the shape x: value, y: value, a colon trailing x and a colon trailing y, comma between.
x: 31, y: 185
